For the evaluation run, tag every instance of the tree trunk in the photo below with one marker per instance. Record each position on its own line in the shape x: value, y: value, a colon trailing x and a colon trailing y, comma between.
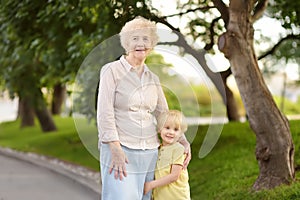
x: 231, y: 105
x: 274, y: 145
x: 25, y: 112
x: 216, y: 78
x: 220, y: 84
x: 45, y: 119
x: 43, y: 114
x: 59, y: 95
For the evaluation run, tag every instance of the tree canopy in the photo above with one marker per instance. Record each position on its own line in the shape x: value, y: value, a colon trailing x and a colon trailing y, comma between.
x: 44, y: 43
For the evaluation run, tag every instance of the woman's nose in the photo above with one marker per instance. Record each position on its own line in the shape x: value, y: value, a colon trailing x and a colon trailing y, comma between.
x: 140, y: 43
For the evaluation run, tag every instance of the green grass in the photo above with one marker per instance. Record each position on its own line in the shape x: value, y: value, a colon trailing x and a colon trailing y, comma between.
x: 226, y: 173
x: 64, y: 144
x: 230, y: 169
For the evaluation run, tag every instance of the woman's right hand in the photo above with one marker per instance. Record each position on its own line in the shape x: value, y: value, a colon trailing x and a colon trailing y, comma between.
x: 118, y: 160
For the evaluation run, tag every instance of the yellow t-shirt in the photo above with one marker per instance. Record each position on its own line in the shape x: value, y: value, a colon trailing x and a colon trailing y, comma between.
x: 178, y: 190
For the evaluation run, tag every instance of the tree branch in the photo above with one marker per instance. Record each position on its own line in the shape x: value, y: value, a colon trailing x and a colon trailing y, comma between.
x: 212, y: 34
x: 191, y: 10
x: 259, y: 9
x: 276, y: 46
x: 199, y: 55
x: 223, y: 9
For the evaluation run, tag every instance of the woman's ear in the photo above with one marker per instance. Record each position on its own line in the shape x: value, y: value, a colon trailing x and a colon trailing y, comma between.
x: 127, y: 48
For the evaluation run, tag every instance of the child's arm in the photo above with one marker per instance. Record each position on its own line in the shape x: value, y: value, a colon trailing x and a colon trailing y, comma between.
x: 170, y: 178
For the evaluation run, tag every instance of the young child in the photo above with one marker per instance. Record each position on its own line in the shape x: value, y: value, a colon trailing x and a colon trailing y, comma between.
x: 171, y: 180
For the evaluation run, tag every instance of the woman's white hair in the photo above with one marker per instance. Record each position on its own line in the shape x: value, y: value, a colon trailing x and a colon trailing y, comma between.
x: 138, y: 23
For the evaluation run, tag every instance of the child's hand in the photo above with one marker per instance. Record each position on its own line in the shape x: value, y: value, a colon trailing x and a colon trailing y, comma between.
x: 147, y: 187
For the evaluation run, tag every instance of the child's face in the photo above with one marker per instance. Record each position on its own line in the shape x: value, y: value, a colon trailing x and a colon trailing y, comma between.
x: 170, y: 133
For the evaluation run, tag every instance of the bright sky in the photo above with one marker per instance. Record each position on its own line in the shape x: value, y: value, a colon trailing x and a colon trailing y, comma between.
x: 185, y: 66
x: 266, y: 27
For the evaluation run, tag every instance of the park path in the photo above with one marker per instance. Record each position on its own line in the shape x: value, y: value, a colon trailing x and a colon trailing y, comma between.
x: 20, y: 179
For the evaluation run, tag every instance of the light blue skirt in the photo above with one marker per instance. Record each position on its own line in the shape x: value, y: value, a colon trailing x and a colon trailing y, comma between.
x: 140, y: 169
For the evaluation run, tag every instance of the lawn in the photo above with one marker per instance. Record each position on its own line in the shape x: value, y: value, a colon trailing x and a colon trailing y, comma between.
x: 64, y: 144
x: 227, y: 172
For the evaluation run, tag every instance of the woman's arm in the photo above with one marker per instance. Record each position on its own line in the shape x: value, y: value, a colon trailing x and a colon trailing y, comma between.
x: 162, y: 104
x: 170, y: 178
x: 187, y: 151
x: 106, y: 123
x: 105, y: 106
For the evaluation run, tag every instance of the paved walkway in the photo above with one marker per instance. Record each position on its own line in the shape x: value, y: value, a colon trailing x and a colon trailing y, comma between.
x: 22, y: 179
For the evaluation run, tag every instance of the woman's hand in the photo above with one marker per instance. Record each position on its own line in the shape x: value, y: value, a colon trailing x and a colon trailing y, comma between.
x: 187, y: 151
x: 118, y: 160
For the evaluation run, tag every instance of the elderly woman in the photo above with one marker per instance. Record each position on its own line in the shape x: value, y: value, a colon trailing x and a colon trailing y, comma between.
x: 129, y: 100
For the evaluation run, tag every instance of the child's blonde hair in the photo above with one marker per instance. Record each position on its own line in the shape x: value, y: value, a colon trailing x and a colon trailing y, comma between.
x: 177, y: 117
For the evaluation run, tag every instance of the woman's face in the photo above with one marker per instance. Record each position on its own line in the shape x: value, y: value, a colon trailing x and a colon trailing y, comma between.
x: 140, y: 44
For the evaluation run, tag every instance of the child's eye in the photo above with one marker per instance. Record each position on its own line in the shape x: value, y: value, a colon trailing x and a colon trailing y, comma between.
x: 167, y: 127
x: 176, y: 129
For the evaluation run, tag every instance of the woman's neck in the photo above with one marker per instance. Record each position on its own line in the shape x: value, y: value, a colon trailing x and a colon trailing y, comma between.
x: 137, y: 64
